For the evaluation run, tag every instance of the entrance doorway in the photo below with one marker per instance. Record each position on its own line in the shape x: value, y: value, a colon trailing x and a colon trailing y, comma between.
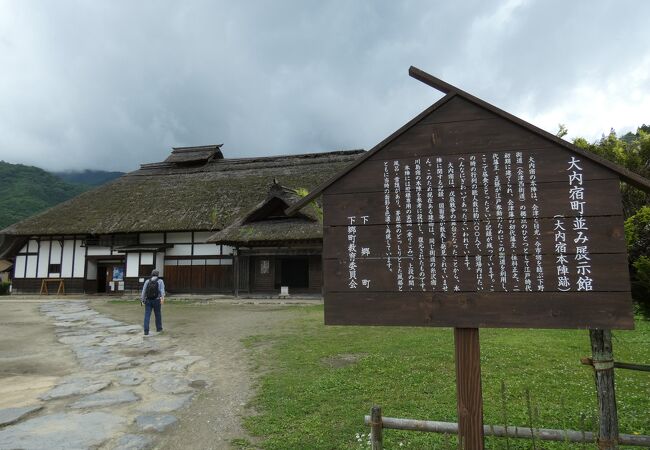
x: 110, y: 277
x: 102, y: 282
x: 294, y: 272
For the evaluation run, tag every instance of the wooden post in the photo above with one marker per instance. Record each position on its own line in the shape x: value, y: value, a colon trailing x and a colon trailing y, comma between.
x: 468, y: 388
x: 376, y: 431
x: 603, y: 361
x: 236, y: 271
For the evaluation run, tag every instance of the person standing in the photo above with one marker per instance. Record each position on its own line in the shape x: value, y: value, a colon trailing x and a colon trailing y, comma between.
x: 153, y: 297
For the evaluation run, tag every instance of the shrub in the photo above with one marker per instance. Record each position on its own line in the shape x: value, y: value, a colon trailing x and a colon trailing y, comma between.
x: 637, y: 234
x: 4, y: 288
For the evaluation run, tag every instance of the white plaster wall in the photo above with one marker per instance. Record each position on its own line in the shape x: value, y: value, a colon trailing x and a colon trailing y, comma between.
x: 152, y: 238
x: 146, y: 258
x: 31, y: 266
x: 226, y: 250
x: 182, y: 238
x: 160, y: 263
x: 43, y: 260
x: 180, y: 250
x: 55, y: 255
x: 132, y: 264
x: 207, y: 249
x: 99, y: 251
x: 91, y: 273
x: 19, y: 269
x: 32, y: 246
x: 79, y: 260
x: 66, y: 263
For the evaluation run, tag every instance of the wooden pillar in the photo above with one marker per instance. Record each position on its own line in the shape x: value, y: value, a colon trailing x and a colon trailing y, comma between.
x: 468, y: 388
x: 603, y: 361
x: 376, y: 429
x: 236, y: 271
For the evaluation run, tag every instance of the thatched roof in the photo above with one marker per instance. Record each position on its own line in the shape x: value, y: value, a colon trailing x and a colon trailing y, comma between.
x: 5, y: 265
x: 270, y: 233
x: 267, y: 224
x: 172, y: 197
x: 194, y: 155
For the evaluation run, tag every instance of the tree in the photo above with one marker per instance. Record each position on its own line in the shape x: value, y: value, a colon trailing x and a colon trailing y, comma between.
x: 637, y: 236
x: 632, y: 152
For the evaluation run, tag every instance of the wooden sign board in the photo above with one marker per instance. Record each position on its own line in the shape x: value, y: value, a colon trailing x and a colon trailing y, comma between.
x: 466, y: 219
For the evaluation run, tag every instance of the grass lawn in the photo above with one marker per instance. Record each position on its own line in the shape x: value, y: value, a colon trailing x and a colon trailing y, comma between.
x: 317, y: 382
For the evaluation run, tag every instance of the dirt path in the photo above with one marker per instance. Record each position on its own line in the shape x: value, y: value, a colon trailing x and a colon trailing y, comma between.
x: 215, y: 332
x: 30, y: 358
x: 33, y: 360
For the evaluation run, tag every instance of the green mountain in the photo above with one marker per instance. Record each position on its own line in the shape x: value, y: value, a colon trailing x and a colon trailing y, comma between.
x: 27, y: 190
x: 88, y: 177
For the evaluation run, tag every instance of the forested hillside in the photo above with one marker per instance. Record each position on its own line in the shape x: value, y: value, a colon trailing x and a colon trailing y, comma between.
x: 88, y: 177
x: 27, y: 190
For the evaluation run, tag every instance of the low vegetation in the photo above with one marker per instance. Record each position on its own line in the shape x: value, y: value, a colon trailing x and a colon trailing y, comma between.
x: 318, y: 382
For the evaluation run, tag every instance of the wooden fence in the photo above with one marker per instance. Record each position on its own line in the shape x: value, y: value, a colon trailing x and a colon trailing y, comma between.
x: 377, y: 423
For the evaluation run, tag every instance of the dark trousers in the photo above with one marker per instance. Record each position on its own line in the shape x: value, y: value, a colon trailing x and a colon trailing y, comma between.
x: 155, y: 306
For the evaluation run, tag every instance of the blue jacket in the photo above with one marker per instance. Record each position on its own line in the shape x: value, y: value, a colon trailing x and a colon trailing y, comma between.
x: 161, y: 288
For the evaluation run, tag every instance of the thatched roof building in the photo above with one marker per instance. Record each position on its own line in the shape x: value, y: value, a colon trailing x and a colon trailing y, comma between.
x: 205, y: 193
x: 207, y: 222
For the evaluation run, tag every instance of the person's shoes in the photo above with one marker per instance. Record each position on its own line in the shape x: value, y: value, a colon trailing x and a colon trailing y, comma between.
x: 146, y: 335
x: 159, y: 331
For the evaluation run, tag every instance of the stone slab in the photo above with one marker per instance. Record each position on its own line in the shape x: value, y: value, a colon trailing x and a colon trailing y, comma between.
x: 76, y: 386
x: 130, y: 377
x: 155, y: 422
x: 107, y: 398
x: 62, y: 431
x: 10, y: 416
x: 167, y: 404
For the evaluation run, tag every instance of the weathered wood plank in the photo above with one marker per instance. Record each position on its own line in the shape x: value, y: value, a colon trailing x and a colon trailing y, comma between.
x: 457, y: 110
x: 608, y: 271
x: 472, y: 135
x: 604, y: 199
x: 551, y: 165
x: 606, y: 235
x: 468, y: 388
x: 603, y: 362
x: 523, y: 310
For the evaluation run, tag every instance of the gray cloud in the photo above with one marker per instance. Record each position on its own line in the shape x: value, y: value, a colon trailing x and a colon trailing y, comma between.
x: 109, y: 85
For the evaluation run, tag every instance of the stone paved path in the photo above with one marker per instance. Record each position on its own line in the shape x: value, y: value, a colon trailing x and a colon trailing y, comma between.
x: 125, y: 391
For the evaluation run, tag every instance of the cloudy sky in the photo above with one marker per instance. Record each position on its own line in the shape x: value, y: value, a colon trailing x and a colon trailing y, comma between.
x: 109, y: 84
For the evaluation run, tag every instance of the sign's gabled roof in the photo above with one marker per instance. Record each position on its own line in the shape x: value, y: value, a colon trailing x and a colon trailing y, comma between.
x: 450, y: 92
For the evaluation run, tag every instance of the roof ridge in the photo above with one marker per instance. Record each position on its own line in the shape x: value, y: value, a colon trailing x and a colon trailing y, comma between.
x: 195, y: 148
x: 297, y: 155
